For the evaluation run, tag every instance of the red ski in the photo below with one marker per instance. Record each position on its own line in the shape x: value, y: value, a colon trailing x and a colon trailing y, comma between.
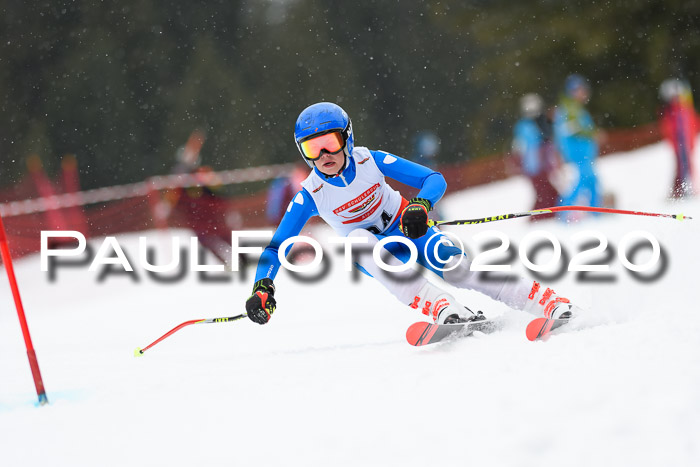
x: 423, y: 333
x: 541, y: 327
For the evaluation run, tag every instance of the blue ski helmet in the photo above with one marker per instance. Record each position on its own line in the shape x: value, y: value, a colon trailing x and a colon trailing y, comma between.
x: 574, y: 82
x: 321, y: 118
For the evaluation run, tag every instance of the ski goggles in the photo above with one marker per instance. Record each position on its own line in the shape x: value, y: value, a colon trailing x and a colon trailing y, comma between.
x: 313, y: 148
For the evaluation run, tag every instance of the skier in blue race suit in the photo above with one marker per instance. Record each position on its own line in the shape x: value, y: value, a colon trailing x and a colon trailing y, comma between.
x: 347, y: 189
x: 575, y: 136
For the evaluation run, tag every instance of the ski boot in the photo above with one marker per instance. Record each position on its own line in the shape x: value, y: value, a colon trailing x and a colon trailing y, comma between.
x: 442, y: 307
x: 548, y: 304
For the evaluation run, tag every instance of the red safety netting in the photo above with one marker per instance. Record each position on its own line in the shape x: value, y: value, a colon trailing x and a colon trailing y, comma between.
x: 135, y: 207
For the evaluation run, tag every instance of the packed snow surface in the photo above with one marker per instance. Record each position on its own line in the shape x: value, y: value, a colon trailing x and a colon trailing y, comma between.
x: 331, y: 381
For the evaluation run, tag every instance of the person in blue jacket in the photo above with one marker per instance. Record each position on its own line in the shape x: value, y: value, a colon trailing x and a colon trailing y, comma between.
x: 575, y: 136
x: 532, y: 143
x: 347, y: 189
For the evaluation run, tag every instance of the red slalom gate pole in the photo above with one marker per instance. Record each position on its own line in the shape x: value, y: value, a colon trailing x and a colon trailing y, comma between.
x: 33, y: 363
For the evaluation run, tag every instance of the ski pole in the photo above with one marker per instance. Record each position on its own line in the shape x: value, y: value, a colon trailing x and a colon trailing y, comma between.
x: 139, y: 351
x: 538, y: 212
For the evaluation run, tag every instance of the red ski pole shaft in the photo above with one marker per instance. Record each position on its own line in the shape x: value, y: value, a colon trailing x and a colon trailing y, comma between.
x: 31, y: 354
x: 537, y: 212
x: 679, y: 217
x: 139, y: 351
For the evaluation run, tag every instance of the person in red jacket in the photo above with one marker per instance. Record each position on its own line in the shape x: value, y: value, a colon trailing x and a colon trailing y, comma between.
x: 202, y: 208
x: 680, y: 124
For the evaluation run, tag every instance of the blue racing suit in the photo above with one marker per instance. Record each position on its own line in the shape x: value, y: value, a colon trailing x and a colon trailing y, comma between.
x: 432, y: 187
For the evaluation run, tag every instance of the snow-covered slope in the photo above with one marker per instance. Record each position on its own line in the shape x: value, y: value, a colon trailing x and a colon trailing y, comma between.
x: 331, y: 381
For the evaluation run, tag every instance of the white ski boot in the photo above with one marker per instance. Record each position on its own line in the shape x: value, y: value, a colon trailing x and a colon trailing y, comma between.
x: 442, y: 307
x: 548, y: 304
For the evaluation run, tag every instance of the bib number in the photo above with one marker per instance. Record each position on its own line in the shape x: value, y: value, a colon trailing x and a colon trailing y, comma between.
x: 386, y: 218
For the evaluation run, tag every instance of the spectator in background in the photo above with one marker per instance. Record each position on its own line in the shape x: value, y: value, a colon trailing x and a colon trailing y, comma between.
x: 575, y: 135
x: 425, y: 152
x: 679, y: 125
x: 532, y: 144
x: 427, y: 148
x: 202, y: 207
x: 281, y: 191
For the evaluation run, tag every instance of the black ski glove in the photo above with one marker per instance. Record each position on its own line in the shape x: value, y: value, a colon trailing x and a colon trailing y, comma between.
x: 414, y: 219
x: 261, y: 304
